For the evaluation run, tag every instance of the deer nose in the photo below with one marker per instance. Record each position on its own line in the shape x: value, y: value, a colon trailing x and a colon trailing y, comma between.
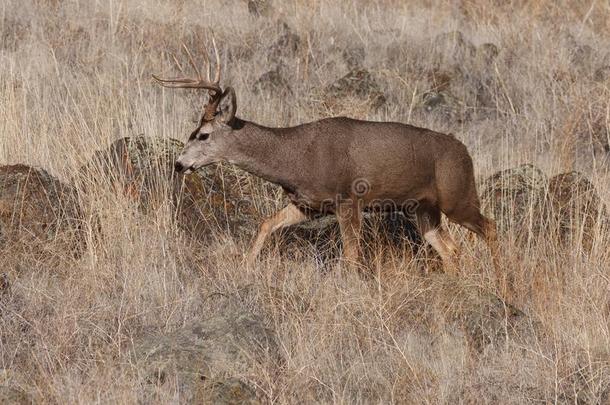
x: 178, y: 167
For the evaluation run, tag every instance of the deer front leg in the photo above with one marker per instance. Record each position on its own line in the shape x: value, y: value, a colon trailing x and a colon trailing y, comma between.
x: 289, y: 215
x: 349, y: 217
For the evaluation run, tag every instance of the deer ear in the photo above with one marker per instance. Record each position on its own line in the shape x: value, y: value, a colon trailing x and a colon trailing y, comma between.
x: 227, y: 106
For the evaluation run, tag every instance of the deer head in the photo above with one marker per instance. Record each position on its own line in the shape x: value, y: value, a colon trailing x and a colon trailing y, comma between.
x: 209, y: 142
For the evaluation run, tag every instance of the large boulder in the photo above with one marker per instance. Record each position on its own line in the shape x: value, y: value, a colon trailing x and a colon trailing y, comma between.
x: 482, y: 317
x: 452, y: 49
x: 566, y: 207
x: 287, y: 44
x: 215, y: 198
x: 354, y: 57
x: 209, y: 359
x: 602, y: 74
x: 443, y: 104
x: 467, y: 311
x: 139, y: 167
x: 272, y: 83
x: 356, y: 94
x: 260, y: 8
x: 40, y: 216
x: 575, y: 207
x: 515, y: 198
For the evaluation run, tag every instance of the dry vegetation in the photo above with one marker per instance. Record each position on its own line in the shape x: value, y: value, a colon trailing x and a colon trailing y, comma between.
x: 75, y: 76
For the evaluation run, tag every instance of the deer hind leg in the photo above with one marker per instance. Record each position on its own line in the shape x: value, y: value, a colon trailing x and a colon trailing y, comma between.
x: 429, y: 224
x: 289, y: 215
x: 349, y: 217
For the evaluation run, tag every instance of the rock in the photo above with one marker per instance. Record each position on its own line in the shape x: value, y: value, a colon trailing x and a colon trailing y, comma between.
x: 354, y: 57
x: 136, y: 165
x: 433, y: 100
x: 452, y: 49
x: 487, y: 53
x: 231, y: 391
x: 273, y: 83
x: 205, y: 356
x: 287, y: 44
x: 358, y: 82
x: 575, y: 205
x: 466, y: 311
x: 602, y: 74
x: 141, y: 168
x: 515, y: 198
x: 524, y: 200
x: 357, y: 92
x: 213, y: 199
x: 440, y: 79
x: 260, y: 8
x: 39, y: 215
x: 443, y: 104
x: 484, y: 318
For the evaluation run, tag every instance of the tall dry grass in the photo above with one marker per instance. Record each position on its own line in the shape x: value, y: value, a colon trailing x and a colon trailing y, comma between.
x: 75, y: 75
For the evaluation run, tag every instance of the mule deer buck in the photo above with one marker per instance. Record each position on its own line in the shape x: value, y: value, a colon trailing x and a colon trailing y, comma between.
x: 340, y: 166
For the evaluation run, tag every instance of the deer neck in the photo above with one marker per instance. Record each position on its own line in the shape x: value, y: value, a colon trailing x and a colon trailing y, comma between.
x: 260, y: 150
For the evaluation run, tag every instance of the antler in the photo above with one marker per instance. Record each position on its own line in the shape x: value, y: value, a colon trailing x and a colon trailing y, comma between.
x: 213, y: 86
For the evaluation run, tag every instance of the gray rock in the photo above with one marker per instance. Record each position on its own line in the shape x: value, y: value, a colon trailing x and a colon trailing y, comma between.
x: 487, y: 53
x: 357, y: 89
x: 287, y: 44
x: 354, y: 57
x: 602, y: 74
x: 205, y: 356
x: 452, y: 49
x: 273, y: 83
x: 260, y: 8
x: 39, y: 214
x: 525, y: 200
x: 467, y: 312
x: 231, y: 391
x: 142, y: 169
x: 443, y: 104
x: 574, y: 204
x: 515, y: 198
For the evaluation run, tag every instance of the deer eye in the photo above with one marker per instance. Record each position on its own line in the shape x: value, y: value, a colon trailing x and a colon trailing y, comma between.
x: 203, y: 137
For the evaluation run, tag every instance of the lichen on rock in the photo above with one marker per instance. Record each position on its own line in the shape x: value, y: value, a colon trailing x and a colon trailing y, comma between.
x: 39, y: 215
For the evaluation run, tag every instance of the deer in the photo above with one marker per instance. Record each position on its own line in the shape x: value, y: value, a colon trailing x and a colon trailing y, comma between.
x: 339, y: 166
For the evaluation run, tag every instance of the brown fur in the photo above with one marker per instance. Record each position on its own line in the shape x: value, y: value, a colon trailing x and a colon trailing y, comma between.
x: 320, y: 165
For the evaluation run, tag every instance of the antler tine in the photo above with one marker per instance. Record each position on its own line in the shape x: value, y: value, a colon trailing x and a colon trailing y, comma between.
x: 181, y: 82
x: 177, y: 63
x: 199, y: 82
x: 217, y: 73
x: 206, y: 59
x: 192, y: 62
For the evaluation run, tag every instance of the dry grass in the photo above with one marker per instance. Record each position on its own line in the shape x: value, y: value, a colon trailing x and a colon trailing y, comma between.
x: 76, y: 75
